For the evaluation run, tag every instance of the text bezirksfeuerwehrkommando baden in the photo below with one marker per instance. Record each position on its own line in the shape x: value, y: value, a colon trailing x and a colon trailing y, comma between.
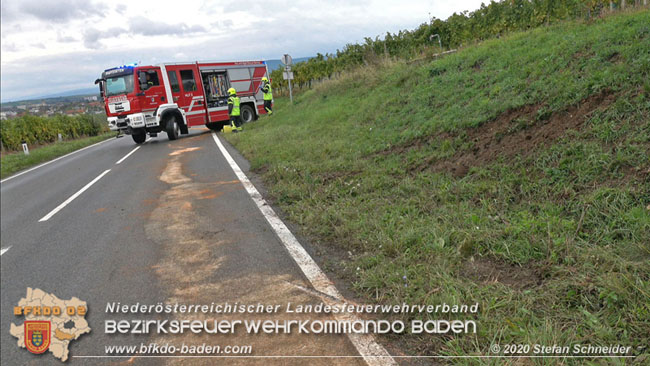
x: 309, y: 326
x: 286, y: 326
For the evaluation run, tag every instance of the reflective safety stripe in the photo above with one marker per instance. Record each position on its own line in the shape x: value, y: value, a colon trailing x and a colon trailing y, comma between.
x: 195, y: 112
x: 268, y: 95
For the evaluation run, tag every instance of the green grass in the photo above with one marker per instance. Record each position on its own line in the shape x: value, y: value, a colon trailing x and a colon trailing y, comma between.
x: 566, y: 224
x: 12, y: 163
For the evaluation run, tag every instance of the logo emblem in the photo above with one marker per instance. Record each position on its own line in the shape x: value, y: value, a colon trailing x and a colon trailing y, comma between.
x: 37, y: 335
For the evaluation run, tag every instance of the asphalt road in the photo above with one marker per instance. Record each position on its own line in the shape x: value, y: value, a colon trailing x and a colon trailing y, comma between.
x: 171, y: 223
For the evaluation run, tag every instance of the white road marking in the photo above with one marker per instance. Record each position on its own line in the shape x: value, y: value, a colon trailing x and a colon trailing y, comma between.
x: 66, y: 202
x: 4, y: 250
x: 127, y: 155
x: 134, y: 150
x: 53, y: 160
x: 372, y: 352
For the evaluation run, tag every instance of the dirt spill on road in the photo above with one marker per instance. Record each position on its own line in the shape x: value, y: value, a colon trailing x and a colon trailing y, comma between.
x: 191, y: 272
x: 183, y: 151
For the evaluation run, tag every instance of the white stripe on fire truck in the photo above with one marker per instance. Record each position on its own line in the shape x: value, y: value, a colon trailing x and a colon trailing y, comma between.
x: 168, y: 89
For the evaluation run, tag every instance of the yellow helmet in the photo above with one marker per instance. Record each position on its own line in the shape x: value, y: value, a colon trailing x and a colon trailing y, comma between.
x: 265, y: 79
x: 232, y: 91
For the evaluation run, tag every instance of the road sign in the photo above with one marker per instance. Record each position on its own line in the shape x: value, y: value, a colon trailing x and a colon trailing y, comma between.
x: 287, y: 73
x: 286, y: 59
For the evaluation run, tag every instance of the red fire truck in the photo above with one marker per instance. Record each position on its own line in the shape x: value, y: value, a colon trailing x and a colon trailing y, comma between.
x: 173, y: 97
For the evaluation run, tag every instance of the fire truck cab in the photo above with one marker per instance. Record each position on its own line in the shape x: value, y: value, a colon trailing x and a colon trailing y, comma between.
x: 174, y: 97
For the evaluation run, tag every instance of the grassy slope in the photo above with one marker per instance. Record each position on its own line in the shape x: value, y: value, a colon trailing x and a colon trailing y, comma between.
x: 563, y: 225
x: 12, y: 163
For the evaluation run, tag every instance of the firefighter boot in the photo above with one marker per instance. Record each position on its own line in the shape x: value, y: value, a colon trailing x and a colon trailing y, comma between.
x: 236, y: 128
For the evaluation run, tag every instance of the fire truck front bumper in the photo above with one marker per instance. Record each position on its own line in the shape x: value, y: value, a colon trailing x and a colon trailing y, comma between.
x: 126, y: 123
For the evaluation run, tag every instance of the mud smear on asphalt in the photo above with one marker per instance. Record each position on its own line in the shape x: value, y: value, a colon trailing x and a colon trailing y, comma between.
x: 198, y: 255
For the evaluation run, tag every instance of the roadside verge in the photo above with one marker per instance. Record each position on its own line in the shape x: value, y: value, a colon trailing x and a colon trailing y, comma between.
x: 13, y: 163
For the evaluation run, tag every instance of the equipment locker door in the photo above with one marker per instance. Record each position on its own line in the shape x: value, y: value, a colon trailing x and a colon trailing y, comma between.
x: 188, y: 92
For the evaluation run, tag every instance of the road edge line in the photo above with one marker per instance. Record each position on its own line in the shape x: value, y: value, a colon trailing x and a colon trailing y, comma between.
x: 372, y: 352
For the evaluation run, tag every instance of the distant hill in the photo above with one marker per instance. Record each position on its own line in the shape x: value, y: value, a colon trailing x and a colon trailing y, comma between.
x: 74, y: 98
x: 70, y: 93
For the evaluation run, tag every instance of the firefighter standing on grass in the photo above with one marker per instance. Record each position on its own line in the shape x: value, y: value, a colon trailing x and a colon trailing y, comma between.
x: 233, y: 110
x: 268, y: 95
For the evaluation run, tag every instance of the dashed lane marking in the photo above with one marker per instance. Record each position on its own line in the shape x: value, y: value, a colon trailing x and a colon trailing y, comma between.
x: 127, y: 155
x: 79, y: 192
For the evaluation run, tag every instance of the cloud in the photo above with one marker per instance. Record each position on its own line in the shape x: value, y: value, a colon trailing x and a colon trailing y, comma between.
x: 61, y: 11
x: 146, y: 27
x: 301, y: 7
x: 65, y: 39
x: 7, y: 12
x: 10, y: 47
x: 222, y: 24
x: 120, y: 9
x: 138, y: 26
x: 93, y: 36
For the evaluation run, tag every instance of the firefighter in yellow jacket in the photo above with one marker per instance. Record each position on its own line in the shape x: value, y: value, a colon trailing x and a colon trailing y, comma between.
x: 233, y: 110
x: 268, y: 95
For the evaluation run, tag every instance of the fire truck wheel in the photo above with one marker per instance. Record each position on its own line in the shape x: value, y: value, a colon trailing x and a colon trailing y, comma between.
x: 139, y: 137
x: 172, y: 128
x: 247, y: 114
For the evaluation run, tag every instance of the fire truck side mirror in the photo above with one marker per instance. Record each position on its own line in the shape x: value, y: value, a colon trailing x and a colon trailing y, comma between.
x: 101, y: 86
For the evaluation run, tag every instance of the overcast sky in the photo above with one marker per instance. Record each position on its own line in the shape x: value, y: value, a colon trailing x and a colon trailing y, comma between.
x: 50, y: 46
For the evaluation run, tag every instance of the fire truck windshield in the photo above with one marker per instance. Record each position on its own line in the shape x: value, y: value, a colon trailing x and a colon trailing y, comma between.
x: 122, y: 84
